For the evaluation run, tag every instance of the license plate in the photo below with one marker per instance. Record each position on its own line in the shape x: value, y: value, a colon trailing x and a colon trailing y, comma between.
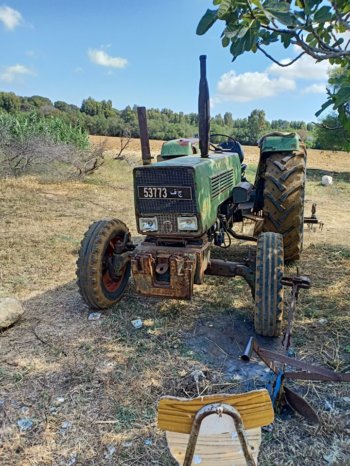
x: 165, y: 192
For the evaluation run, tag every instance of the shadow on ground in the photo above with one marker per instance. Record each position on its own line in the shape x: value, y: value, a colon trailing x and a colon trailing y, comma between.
x: 90, y: 388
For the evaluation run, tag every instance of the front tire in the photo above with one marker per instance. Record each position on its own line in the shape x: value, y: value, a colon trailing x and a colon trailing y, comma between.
x: 268, y: 286
x: 98, y: 285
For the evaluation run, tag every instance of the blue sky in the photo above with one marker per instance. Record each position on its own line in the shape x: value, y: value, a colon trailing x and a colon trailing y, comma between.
x: 144, y: 53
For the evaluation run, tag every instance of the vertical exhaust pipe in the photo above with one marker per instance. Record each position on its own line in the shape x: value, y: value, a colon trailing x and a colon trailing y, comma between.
x: 203, y: 109
x: 144, y: 137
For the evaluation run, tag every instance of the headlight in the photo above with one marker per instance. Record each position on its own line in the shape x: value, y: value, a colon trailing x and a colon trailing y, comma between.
x: 187, y: 223
x: 148, y: 224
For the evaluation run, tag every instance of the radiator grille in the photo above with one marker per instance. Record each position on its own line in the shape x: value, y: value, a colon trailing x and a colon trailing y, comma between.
x: 169, y: 176
x: 221, y: 183
x: 167, y: 224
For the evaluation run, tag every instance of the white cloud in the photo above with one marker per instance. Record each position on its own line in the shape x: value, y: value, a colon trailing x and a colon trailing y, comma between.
x: 315, y: 89
x: 10, y: 18
x: 10, y: 73
x: 100, y: 57
x: 250, y: 86
x: 304, y: 68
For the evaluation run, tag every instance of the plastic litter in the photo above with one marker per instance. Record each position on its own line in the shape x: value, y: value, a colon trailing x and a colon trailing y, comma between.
x: 25, y: 424
x: 327, y: 180
x: 137, y: 323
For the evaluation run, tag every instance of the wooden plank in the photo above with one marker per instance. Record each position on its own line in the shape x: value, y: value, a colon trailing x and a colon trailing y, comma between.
x: 177, y: 414
x: 221, y: 449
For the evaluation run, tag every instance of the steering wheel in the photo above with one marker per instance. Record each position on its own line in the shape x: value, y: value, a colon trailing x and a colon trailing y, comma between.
x: 216, y: 147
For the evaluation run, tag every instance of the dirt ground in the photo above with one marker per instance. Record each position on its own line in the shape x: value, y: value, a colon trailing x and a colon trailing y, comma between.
x: 89, y: 388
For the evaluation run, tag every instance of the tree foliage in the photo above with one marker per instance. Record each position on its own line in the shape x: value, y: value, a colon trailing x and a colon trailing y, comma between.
x: 331, y: 135
x: 66, y: 121
x: 257, y: 124
x: 319, y: 28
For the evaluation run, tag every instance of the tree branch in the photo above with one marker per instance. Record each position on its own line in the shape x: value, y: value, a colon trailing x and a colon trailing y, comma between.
x: 322, y: 125
x: 276, y: 61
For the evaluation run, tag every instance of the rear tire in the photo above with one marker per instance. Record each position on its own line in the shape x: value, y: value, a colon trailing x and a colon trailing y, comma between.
x: 98, y: 286
x: 284, y: 191
x: 268, y: 286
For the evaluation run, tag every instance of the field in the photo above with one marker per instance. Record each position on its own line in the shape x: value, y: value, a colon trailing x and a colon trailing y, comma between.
x: 90, y: 388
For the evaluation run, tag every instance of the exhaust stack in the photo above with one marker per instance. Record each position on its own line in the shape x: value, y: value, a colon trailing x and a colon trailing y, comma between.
x: 203, y: 109
x: 144, y: 137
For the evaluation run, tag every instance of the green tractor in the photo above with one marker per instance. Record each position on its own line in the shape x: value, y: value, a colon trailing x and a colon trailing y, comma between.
x: 188, y: 202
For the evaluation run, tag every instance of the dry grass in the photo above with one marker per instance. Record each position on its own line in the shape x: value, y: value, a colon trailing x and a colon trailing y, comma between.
x: 111, y: 375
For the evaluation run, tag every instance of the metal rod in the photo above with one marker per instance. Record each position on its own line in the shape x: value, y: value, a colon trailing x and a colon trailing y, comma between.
x: 144, y: 137
x: 247, y: 354
x: 242, y: 237
x: 219, y: 409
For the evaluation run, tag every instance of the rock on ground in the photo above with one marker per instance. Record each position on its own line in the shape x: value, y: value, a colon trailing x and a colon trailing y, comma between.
x: 10, y: 311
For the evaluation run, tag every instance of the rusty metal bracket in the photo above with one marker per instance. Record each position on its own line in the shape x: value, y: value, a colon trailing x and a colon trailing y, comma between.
x: 179, y: 283
x: 305, y: 371
x: 312, y: 220
x: 219, y: 409
x: 308, y: 372
x: 232, y: 269
x: 118, y: 262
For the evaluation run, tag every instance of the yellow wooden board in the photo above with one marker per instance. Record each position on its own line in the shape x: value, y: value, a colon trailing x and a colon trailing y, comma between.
x: 218, y: 449
x: 177, y: 414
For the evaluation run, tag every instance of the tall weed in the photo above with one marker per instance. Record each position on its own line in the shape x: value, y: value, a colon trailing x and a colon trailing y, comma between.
x: 50, y: 147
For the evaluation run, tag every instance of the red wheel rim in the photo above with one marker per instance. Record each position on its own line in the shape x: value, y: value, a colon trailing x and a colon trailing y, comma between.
x: 111, y: 284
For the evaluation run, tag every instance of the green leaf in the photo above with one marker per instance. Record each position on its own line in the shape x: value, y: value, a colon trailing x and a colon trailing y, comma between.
x: 342, y: 96
x: 224, y: 8
x: 206, y: 22
x: 277, y: 5
x: 281, y: 12
x: 243, y: 31
x: 237, y: 47
x: 225, y: 41
x: 324, y: 106
x: 286, y: 40
x: 323, y: 14
x: 250, y: 40
x: 310, y: 4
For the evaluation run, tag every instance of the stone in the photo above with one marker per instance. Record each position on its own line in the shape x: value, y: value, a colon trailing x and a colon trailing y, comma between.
x: 10, y: 311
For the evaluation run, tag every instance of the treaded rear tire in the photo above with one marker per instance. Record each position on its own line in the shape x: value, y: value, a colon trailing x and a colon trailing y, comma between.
x: 98, y: 289
x: 268, y: 287
x: 284, y: 191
